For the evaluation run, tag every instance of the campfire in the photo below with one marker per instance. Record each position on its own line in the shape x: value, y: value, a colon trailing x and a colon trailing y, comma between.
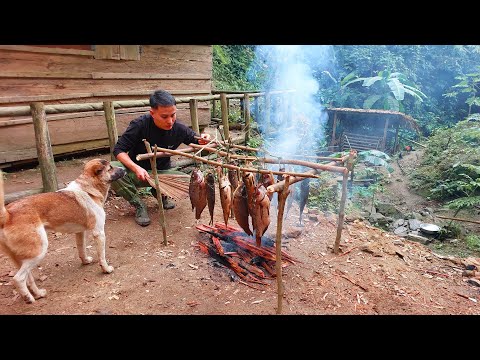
x: 236, y: 250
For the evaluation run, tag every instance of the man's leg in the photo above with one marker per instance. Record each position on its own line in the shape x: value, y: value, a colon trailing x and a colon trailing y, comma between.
x: 126, y: 187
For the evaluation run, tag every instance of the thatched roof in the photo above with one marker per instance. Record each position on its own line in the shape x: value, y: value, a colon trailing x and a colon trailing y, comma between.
x: 407, y: 118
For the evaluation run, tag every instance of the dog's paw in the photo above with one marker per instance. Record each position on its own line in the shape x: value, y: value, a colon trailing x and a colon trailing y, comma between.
x: 41, y: 293
x: 87, y: 260
x: 108, y: 269
x: 28, y: 298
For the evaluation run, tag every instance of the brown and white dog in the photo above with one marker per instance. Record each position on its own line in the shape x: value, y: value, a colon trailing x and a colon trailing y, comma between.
x: 75, y: 209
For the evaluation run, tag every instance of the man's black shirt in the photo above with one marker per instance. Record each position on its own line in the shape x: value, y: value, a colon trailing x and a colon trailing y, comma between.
x: 143, y: 127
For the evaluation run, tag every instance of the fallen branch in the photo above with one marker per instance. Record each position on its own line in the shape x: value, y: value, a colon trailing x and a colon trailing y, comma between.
x: 353, y: 282
x: 457, y: 219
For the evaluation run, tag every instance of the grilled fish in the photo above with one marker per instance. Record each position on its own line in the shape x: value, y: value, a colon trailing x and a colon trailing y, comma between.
x: 240, y: 207
x: 267, y: 180
x: 198, y: 192
x: 261, y: 213
x: 225, y: 194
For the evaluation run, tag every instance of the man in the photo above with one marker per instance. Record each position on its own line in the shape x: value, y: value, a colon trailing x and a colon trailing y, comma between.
x: 157, y: 127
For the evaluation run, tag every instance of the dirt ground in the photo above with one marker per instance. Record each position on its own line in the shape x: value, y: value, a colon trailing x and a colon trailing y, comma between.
x: 376, y: 272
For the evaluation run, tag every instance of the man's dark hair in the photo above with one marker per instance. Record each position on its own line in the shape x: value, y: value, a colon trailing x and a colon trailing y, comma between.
x: 161, y: 98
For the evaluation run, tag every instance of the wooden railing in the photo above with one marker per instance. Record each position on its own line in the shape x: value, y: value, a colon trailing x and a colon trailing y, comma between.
x: 38, y: 111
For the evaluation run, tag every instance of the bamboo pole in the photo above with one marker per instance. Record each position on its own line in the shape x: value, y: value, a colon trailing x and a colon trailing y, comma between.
x: 341, y: 214
x: 68, y: 108
x: 44, y: 147
x: 324, y: 167
x: 228, y: 166
x: 246, y: 104
x: 153, y: 165
x: 194, y: 115
x: 224, y: 107
x: 223, y: 153
x: 282, y: 197
x: 111, y: 125
x: 457, y: 219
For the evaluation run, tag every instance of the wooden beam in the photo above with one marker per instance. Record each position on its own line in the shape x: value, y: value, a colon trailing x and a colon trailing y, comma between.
x: 98, y: 75
x: 47, y: 50
x: 33, y: 98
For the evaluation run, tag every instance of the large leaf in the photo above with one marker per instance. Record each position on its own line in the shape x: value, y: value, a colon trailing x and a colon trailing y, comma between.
x: 414, y: 92
x: 392, y: 104
x: 376, y: 161
x: 376, y: 153
x: 368, y: 103
x: 372, y: 80
x: 354, y: 81
x: 347, y: 78
x: 397, y: 88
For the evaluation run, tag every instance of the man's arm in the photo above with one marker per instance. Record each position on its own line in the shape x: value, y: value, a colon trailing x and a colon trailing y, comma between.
x: 140, y: 172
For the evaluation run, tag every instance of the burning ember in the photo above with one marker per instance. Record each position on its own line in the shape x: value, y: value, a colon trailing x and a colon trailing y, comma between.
x: 236, y: 250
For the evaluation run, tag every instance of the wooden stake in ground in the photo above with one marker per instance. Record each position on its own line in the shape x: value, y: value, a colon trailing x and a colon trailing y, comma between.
x: 341, y: 214
x: 282, y: 197
x: 153, y: 165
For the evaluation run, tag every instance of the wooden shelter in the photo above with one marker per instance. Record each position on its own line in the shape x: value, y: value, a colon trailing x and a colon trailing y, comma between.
x: 366, y: 129
x: 64, y: 74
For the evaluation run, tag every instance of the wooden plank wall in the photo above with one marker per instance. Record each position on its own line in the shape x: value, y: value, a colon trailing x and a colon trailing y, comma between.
x: 27, y: 75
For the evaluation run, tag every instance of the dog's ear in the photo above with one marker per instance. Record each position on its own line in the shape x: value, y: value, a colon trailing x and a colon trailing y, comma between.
x: 99, y: 170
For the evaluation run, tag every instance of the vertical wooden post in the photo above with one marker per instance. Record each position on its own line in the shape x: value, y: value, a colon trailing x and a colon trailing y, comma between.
x: 384, y: 141
x: 334, y: 128
x: 194, y: 115
x: 395, y: 146
x: 256, y: 104
x: 246, y: 113
x: 242, y: 108
x: 214, y: 108
x: 109, y: 111
x: 153, y: 165
x: 224, y: 106
x: 282, y: 197
x: 44, y: 147
x: 341, y: 213
x: 267, y: 110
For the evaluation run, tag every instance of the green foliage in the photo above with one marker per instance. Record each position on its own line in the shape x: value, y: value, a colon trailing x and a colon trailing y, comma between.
x: 469, y: 85
x: 473, y: 242
x: 322, y: 194
x: 375, y: 158
x: 450, y: 169
x: 390, y: 89
x: 230, y: 66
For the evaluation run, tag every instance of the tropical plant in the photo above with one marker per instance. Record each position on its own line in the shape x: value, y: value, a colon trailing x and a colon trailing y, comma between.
x: 390, y: 89
x: 469, y: 84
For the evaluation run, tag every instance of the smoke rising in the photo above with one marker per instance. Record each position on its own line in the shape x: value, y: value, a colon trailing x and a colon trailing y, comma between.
x: 294, y: 123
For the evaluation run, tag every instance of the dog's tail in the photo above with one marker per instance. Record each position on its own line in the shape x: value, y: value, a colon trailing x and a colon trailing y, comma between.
x: 3, y: 211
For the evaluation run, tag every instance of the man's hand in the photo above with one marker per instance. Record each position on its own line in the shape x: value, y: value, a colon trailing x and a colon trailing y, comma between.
x: 205, y: 138
x: 141, y: 173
